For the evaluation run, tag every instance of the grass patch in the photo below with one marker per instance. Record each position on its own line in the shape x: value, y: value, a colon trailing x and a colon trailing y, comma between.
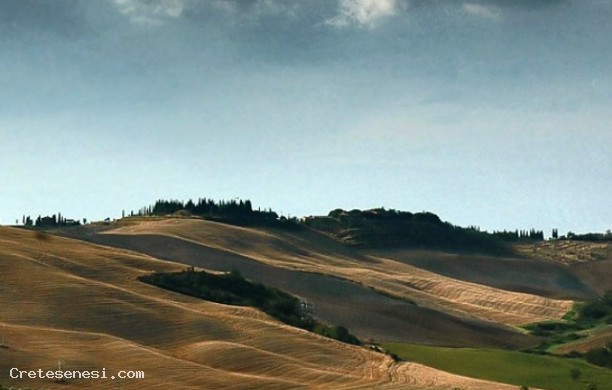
x: 232, y: 289
x: 516, y: 368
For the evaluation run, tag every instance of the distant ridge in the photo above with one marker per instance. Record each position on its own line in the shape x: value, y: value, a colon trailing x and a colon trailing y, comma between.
x: 373, y: 228
x: 370, y: 228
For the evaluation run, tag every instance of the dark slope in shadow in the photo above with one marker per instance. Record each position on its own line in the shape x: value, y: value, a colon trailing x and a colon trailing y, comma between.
x: 365, y: 312
x: 533, y: 276
x: 597, y: 273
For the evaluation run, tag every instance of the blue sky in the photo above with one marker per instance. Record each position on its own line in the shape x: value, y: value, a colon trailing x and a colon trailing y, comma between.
x: 487, y: 112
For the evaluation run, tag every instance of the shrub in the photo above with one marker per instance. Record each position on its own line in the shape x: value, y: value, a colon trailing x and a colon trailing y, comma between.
x: 600, y: 357
x: 575, y: 374
x: 574, y: 354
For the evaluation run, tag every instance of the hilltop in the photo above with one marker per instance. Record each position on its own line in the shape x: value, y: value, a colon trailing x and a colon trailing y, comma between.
x: 374, y: 272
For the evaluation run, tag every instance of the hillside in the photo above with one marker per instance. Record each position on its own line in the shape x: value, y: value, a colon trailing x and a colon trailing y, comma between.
x: 596, y: 338
x: 313, y: 252
x: 544, y: 277
x: 591, y: 261
x: 65, y: 300
x: 365, y: 312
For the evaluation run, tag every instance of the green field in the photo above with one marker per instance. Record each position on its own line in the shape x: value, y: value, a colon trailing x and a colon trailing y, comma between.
x: 519, y: 368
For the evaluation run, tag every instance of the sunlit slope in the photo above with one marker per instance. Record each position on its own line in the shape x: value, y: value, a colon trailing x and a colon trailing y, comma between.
x: 309, y: 251
x: 62, y: 299
x: 44, y: 348
x: 41, y: 347
x: 568, y: 251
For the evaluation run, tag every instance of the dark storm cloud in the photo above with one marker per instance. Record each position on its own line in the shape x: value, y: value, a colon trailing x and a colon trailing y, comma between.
x: 75, y: 17
x: 277, y: 30
x: 525, y: 4
x: 250, y: 11
x: 519, y: 4
x: 56, y: 17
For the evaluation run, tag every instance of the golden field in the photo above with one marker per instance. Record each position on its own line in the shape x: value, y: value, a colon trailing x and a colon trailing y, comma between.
x: 66, y: 300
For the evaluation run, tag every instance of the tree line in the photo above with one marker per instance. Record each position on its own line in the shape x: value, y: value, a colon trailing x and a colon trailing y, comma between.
x: 378, y: 226
x: 522, y: 235
x: 235, y: 211
x: 385, y: 227
x: 50, y: 221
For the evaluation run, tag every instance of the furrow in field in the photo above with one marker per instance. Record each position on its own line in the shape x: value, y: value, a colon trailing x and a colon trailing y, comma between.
x: 311, y: 252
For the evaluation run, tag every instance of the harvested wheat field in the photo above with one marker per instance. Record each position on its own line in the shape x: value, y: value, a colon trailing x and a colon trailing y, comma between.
x: 567, y: 252
x: 367, y: 313
x: 313, y: 252
x: 77, y: 304
x: 542, y: 277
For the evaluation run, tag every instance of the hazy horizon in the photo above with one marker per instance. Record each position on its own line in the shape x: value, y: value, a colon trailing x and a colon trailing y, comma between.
x: 493, y: 113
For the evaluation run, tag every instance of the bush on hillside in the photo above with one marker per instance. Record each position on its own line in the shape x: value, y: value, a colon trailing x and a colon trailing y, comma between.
x: 600, y: 356
x: 586, y: 315
x: 597, y: 309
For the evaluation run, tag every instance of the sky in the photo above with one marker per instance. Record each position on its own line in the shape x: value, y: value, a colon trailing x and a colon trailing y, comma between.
x: 494, y: 113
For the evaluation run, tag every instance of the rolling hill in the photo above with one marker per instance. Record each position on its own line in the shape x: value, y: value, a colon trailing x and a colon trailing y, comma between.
x: 80, y: 304
x: 365, y: 312
x: 314, y: 252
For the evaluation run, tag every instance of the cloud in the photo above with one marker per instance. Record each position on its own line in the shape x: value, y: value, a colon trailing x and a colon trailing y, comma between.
x: 258, y: 7
x: 525, y: 4
x: 481, y: 11
x: 150, y: 12
x: 506, y: 4
x: 365, y: 13
x: 56, y: 17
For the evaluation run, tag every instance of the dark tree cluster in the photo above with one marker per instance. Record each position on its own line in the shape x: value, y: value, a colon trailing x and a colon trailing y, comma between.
x: 49, y: 221
x: 236, y: 211
x: 382, y: 227
x: 208, y: 207
x: 232, y: 289
x: 597, y: 309
x: 600, y: 356
x: 593, y: 237
x: 521, y: 235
